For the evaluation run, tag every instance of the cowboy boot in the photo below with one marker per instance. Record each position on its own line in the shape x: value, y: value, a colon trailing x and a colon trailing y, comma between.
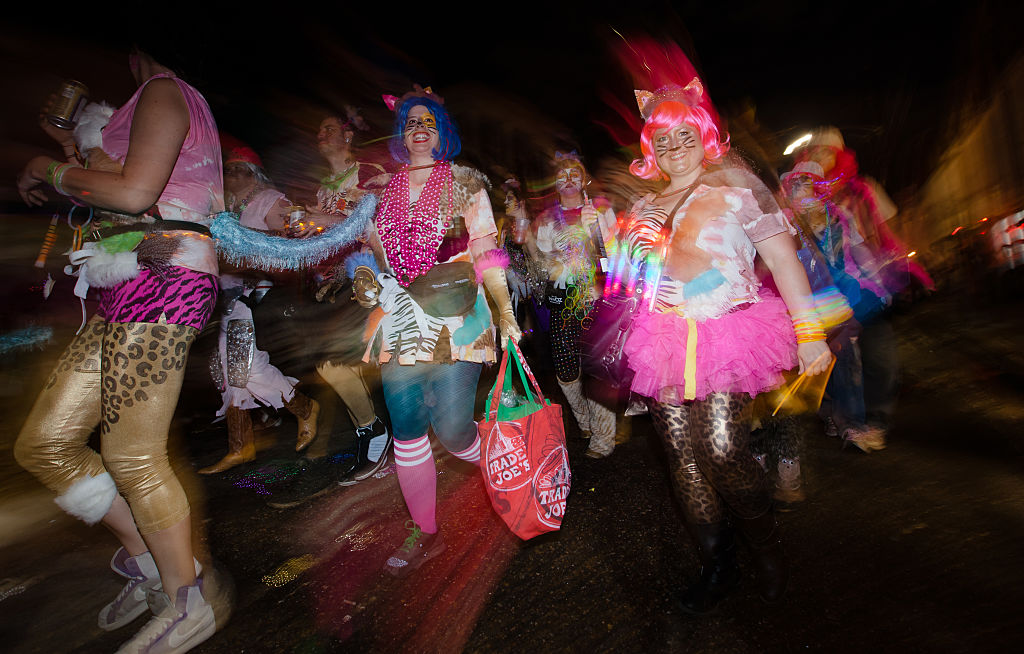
x: 719, y: 574
x: 307, y: 411
x: 762, y: 535
x: 241, y: 443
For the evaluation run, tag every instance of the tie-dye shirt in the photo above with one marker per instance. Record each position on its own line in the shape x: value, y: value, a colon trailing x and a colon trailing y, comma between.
x: 709, y: 268
x: 195, y: 189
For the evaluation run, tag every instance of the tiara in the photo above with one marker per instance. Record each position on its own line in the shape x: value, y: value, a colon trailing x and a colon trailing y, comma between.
x: 418, y: 92
x: 689, y: 95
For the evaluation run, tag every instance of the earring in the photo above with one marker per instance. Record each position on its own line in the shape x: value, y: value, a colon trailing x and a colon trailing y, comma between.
x: 347, y: 139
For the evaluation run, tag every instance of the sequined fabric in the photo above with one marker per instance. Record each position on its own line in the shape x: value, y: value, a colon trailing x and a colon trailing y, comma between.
x: 241, y: 348
x: 217, y: 371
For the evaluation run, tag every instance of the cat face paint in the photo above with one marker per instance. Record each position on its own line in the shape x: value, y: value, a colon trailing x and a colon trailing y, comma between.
x: 569, y: 180
x: 679, y: 151
x: 420, y: 133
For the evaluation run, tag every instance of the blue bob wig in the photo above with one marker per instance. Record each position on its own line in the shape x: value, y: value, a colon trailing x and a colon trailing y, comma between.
x: 449, y: 145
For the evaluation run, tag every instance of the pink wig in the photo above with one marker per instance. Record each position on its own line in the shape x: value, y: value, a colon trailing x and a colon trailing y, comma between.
x: 669, y: 114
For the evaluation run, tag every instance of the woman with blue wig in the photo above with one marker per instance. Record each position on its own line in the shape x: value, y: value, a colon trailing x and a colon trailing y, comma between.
x: 431, y: 331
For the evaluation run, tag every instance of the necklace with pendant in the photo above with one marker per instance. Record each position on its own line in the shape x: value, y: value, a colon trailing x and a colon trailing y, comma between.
x: 245, y: 203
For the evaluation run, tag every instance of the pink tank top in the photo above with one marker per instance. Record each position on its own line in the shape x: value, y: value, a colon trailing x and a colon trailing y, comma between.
x: 195, y: 189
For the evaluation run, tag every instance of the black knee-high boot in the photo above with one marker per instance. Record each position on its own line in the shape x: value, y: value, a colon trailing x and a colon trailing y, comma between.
x: 719, y: 574
x: 762, y: 535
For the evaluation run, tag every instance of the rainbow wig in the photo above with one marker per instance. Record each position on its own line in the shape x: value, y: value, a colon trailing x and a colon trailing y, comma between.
x: 669, y: 114
x: 449, y: 145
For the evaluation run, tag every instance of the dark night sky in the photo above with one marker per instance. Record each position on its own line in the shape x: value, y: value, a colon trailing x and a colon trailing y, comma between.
x: 889, y: 74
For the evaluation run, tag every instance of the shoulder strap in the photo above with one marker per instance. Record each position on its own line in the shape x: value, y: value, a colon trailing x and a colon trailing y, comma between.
x: 666, y: 229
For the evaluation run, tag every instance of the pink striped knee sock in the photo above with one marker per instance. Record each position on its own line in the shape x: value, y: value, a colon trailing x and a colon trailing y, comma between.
x: 417, y: 477
x: 471, y: 453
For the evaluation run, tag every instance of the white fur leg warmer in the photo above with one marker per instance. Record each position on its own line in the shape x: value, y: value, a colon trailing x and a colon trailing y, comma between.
x: 89, y: 498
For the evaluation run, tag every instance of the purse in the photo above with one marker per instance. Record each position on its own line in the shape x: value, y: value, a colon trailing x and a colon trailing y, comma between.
x: 603, y: 340
x: 608, y: 325
x: 446, y: 290
x: 524, y: 459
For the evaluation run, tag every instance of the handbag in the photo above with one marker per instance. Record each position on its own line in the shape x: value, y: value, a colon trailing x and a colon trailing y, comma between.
x: 607, y: 328
x: 524, y: 459
x: 603, y: 340
x: 446, y: 290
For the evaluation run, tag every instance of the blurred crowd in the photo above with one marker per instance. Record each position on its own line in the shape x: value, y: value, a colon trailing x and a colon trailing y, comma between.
x: 742, y: 313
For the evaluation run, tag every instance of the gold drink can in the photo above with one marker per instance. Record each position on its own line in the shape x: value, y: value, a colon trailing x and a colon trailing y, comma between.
x: 69, y: 104
x: 296, y: 214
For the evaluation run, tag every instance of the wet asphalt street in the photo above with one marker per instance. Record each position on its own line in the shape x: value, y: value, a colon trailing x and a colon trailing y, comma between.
x: 914, y: 548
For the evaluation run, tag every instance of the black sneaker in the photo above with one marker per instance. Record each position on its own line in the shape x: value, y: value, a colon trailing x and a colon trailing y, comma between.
x: 315, y: 478
x: 366, y: 466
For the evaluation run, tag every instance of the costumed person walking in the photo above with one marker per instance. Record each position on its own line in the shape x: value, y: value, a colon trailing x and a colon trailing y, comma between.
x: 781, y: 419
x: 526, y: 278
x: 243, y: 373
x: 431, y: 332
x: 332, y: 330
x: 570, y: 239
x: 155, y: 270
x: 862, y: 249
x: 708, y: 337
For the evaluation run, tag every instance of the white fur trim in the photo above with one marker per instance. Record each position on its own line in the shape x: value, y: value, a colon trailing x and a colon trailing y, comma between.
x: 106, y: 269
x: 89, y: 498
x: 89, y: 130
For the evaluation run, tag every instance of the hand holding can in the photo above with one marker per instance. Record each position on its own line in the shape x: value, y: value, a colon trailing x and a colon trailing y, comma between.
x: 64, y: 109
x: 296, y: 214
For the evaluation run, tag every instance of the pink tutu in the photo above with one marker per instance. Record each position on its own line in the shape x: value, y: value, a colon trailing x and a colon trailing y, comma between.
x: 743, y: 351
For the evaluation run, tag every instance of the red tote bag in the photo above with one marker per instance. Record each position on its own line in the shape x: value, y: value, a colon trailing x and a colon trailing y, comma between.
x: 524, y: 459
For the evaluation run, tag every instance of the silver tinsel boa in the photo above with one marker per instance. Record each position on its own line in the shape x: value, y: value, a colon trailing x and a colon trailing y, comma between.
x: 29, y: 338
x: 258, y: 250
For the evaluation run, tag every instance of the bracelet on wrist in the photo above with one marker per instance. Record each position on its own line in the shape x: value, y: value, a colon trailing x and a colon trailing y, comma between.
x: 58, y: 177
x: 809, y: 336
x: 808, y: 328
x: 50, y: 170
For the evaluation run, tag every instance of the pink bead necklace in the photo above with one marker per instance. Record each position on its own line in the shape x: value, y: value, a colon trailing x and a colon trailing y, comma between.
x: 411, y: 235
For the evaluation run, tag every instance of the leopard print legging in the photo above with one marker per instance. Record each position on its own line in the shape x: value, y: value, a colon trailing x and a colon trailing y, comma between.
x: 124, y: 378
x: 707, y: 443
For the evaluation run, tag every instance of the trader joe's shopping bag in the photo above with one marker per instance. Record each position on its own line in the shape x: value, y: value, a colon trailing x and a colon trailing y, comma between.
x: 524, y: 460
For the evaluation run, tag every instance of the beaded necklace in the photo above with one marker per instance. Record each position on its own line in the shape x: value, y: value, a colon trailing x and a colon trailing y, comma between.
x: 245, y: 203
x: 334, y: 183
x: 829, y: 247
x: 411, y: 235
x: 576, y: 257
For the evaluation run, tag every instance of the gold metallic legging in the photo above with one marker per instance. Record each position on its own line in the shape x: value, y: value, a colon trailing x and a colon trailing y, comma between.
x: 126, y: 378
x: 348, y: 383
x: 708, y: 445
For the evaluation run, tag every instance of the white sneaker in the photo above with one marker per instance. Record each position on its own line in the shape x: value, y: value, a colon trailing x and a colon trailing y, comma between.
x: 130, y: 603
x: 176, y: 627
